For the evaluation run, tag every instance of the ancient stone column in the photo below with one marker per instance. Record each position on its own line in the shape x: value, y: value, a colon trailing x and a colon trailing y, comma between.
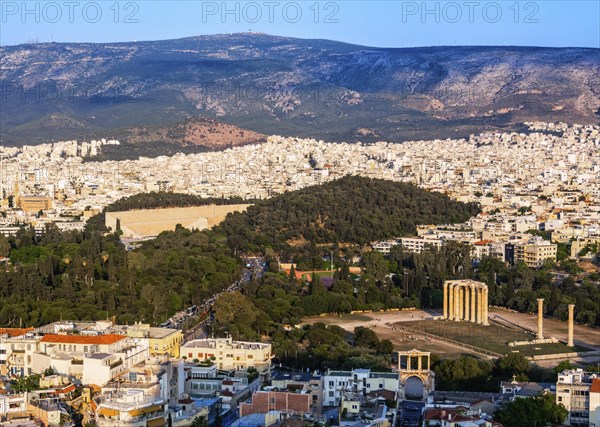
x: 450, y: 302
x: 570, y: 338
x: 467, y: 304
x: 485, y: 306
x: 473, y: 303
x: 540, y: 333
x: 456, y: 302
x: 479, y: 305
x: 462, y: 302
x: 445, y: 300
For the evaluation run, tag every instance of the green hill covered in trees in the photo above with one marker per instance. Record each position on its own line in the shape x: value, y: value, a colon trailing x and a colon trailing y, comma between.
x: 352, y: 209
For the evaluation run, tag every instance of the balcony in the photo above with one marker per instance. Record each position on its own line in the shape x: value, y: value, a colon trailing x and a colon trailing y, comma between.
x: 116, y: 364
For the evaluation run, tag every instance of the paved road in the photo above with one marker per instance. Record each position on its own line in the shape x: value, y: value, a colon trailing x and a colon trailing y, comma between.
x: 255, y: 267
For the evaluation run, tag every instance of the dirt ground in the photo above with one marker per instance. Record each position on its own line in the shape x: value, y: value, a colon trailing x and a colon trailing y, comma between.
x: 383, y: 325
x: 584, y: 336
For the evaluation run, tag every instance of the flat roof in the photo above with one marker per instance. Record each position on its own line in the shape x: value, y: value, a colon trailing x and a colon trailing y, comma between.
x: 99, y: 355
x: 162, y: 332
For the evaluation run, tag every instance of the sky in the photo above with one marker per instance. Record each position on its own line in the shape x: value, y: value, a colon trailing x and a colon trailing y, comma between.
x: 554, y: 23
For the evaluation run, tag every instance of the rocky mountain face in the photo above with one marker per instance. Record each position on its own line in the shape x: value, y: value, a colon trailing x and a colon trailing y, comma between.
x: 295, y: 87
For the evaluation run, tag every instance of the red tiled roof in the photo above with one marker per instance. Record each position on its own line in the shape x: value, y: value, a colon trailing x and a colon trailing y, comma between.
x: 298, y: 274
x: 14, y: 332
x: 595, y: 388
x: 449, y: 415
x: 67, y: 389
x: 82, y: 339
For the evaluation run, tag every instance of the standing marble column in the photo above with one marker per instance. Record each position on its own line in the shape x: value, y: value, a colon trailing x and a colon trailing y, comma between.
x: 540, y: 333
x: 485, y: 306
x: 479, y: 305
x: 571, y: 316
x: 456, y: 302
x: 450, y: 302
x: 473, y: 303
x: 445, y: 300
x: 462, y: 302
x: 467, y: 303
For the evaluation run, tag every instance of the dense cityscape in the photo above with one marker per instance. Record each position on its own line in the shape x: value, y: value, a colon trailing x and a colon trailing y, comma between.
x: 299, y: 214
x: 104, y: 373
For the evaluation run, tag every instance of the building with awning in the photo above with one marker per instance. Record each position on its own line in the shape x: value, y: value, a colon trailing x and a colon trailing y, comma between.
x: 145, y: 411
x: 131, y: 408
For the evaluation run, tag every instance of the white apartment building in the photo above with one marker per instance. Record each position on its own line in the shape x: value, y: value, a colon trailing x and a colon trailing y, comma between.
x: 595, y: 402
x: 230, y: 355
x: 419, y: 244
x: 358, y: 381
x: 17, y: 347
x: 535, y: 252
x: 574, y: 392
x: 13, y: 405
x: 132, y: 408
x: 95, y: 359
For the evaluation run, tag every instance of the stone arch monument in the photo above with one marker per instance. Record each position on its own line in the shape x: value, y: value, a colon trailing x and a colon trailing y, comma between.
x: 416, y: 379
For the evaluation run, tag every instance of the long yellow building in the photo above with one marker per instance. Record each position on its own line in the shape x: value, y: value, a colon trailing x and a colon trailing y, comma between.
x: 162, y: 341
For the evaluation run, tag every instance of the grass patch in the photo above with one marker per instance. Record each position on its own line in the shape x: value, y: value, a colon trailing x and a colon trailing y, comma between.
x: 494, y: 337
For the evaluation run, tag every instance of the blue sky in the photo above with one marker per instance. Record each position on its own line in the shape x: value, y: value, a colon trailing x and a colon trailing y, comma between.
x: 373, y: 23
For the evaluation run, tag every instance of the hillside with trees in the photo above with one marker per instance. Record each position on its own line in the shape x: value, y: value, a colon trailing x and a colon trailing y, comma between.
x: 352, y: 209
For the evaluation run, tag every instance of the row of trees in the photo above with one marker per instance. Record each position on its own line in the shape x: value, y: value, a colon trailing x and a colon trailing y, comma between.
x: 469, y: 373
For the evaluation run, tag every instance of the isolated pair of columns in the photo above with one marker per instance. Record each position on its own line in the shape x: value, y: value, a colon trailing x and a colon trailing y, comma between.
x: 466, y: 300
x: 540, y: 333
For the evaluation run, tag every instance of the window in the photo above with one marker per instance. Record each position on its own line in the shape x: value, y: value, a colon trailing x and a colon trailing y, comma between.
x: 155, y: 346
x: 85, y: 348
x: 331, y: 393
x: 190, y: 355
x: 331, y: 384
x: 133, y: 376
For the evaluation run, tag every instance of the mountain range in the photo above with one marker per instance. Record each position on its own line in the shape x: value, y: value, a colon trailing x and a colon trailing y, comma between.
x: 294, y: 87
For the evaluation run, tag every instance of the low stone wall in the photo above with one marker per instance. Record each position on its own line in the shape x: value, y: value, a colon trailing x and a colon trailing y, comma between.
x: 565, y: 355
x: 542, y: 341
